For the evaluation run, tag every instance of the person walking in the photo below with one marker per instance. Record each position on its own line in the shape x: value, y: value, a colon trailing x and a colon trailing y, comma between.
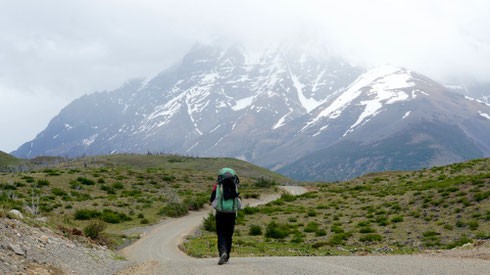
x: 226, y: 202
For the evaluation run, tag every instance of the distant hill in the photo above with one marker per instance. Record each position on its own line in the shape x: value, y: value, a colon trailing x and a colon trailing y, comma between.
x: 7, y: 160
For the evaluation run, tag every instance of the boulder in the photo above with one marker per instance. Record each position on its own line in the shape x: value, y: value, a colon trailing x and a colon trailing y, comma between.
x: 14, y: 213
x: 17, y: 249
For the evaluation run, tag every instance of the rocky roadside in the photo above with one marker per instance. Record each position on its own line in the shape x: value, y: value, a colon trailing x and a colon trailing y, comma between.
x: 26, y: 249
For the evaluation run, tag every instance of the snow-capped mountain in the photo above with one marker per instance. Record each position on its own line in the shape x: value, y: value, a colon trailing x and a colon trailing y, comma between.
x: 390, y: 118
x: 216, y: 102
x: 311, y: 117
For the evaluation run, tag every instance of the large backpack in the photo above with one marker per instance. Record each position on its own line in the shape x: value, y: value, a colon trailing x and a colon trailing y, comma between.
x: 227, y: 191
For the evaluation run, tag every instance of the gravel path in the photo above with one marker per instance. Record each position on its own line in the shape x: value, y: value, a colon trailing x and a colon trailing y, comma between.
x: 157, y: 253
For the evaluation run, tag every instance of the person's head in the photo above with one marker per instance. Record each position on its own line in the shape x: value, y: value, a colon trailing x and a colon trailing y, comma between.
x: 228, y: 174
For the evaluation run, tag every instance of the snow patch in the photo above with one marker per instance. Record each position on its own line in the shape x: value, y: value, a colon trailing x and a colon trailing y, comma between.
x: 89, y: 140
x: 281, y: 121
x: 215, y: 128
x: 406, y: 114
x: 67, y: 127
x: 308, y: 103
x: 383, y: 83
x: 477, y: 100
x: 243, y: 103
x: 485, y: 115
x: 192, y: 147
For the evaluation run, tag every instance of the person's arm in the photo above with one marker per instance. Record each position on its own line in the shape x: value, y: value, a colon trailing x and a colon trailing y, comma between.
x: 213, y: 194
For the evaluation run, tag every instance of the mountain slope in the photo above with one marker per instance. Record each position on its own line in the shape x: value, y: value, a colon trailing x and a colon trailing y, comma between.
x: 273, y: 108
x: 216, y: 102
x: 396, y: 120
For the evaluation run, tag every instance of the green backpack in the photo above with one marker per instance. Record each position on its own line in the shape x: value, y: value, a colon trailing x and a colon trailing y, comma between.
x: 227, y: 182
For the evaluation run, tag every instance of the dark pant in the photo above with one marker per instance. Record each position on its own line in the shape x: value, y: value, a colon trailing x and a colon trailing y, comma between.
x: 225, y: 223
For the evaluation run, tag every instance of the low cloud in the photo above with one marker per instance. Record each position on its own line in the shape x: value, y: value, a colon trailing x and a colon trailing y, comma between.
x: 63, y: 49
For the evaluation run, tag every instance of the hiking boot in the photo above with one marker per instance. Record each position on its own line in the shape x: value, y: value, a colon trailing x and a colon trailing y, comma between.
x: 227, y: 258
x: 222, y: 259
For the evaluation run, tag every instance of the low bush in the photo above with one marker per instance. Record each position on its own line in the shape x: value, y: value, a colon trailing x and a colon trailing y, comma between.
x: 371, y: 238
x: 174, y: 209
x: 277, y: 231
x: 255, y: 230
x: 86, y: 214
x: 94, y: 229
x: 210, y: 222
x: 41, y: 183
x: 85, y: 181
x: 311, y: 227
x: 264, y: 183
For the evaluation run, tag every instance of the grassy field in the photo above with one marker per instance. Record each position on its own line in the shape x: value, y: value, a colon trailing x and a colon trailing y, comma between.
x: 388, y: 212
x: 122, y: 191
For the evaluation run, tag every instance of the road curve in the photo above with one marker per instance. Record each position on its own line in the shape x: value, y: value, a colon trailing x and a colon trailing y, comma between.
x: 157, y: 253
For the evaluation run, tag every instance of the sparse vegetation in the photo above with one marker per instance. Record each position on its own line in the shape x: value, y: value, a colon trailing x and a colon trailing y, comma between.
x: 398, y: 212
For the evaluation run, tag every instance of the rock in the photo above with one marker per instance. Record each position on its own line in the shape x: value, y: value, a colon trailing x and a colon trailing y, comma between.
x: 466, y: 244
x: 44, y: 239
x: 14, y: 213
x: 17, y: 249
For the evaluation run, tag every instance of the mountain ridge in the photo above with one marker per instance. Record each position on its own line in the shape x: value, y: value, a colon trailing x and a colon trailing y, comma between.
x: 271, y: 109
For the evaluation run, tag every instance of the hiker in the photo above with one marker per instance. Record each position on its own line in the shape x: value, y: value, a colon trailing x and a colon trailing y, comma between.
x: 226, y: 202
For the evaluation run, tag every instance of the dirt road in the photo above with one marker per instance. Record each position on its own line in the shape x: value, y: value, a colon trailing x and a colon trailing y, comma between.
x: 157, y: 253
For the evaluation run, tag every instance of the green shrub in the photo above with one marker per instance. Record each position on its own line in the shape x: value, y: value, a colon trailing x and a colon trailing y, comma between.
x: 86, y: 214
x: 297, y: 238
x: 144, y: 221
x: 118, y: 185
x: 288, y: 197
x: 100, y: 180
x: 473, y: 225
x: 311, y: 227
x: 85, y: 181
x: 94, y: 229
x: 174, y: 209
x: 320, y: 233
x: 131, y: 193
x: 430, y: 234
x: 250, y: 210
x: 111, y: 216
x: 366, y: 229
x: 371, y: 238
x: 339, y: 238
x: 397, y: 219
x: 255, y: 230
x: 210, y: 222
x: 277, y: 231
x: 460, y: 242
x: 58, y: 192
x: 195, y: 203
x: 264, y: 183
x: 41, y: 183
x: 448, y: 227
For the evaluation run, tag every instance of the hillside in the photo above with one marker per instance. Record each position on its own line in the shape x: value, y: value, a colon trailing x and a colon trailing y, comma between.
x: 388, y: 212
x: 7, y: 160
x: 123, y: 191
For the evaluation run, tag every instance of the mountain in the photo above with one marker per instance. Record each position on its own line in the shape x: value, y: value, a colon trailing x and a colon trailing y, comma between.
x: 302, y: 111
x: 216, y: 102
x: 388, y: 119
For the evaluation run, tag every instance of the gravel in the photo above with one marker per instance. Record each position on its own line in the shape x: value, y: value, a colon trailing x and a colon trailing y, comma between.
x: 31, y: 250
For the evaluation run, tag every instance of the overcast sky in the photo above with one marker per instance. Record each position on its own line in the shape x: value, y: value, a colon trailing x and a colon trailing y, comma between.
x: 52, y: 52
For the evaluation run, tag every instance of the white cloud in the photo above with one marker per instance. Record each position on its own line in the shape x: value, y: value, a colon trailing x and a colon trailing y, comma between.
x: 68, y: 48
